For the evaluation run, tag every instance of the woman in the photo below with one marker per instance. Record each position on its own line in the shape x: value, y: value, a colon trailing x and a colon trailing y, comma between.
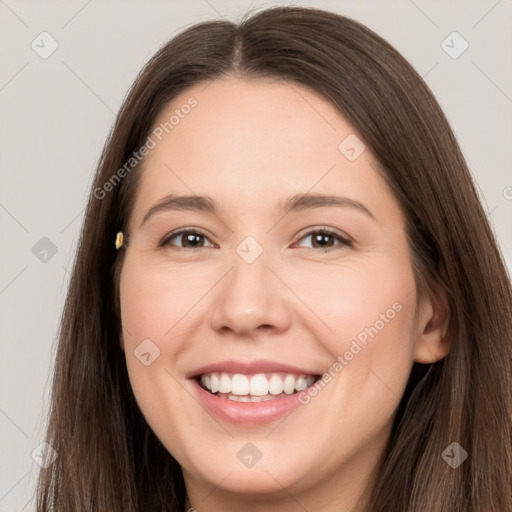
x: 209, y: 360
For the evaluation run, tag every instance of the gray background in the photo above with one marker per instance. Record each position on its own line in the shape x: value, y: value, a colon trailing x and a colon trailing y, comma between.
x: 56, y: 113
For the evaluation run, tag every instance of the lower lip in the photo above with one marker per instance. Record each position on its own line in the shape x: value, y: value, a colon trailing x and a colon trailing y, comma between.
x: 246, y: 413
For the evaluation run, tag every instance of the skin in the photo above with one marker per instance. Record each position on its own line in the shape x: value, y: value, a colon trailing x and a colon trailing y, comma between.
x: 250, y: 144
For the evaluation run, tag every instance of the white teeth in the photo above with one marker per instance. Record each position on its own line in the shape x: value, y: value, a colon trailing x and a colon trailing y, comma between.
x: 237, y: 398
x: 224, y: 384
x: 214, y: 379
x: 259, y: 385
x: 239, y: 384
x: 275, y: 385
x: 288, y: 384
x: 254, y: 388
x: 300, y: 384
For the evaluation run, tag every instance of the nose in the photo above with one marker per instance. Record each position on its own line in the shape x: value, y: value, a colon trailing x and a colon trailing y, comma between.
x: 251, y: 299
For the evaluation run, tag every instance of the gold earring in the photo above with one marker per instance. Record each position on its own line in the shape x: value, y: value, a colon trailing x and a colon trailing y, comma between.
x: 119, y: 240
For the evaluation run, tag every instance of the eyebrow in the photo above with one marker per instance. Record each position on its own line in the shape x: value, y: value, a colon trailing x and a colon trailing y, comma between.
x: 298, y: 202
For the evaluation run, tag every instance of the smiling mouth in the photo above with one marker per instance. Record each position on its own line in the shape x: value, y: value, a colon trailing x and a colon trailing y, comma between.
x: 257, y: 387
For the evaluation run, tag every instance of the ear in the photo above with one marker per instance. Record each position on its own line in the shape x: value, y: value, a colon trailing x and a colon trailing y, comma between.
x: 432, y: 323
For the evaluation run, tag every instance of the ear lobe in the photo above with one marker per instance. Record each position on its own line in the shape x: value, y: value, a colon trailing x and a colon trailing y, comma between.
x: 432, y: 344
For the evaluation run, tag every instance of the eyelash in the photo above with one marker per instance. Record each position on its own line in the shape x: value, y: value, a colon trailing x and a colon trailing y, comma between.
x: 322, y: 231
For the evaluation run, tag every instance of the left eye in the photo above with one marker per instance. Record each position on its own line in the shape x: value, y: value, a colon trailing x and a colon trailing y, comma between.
x: 193, y: 239
x: 321, y: 237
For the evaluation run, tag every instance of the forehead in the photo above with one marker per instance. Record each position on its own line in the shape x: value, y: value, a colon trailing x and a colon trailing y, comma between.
x: 252, y: 142
x: 256, y: 124
x: 246, y: 109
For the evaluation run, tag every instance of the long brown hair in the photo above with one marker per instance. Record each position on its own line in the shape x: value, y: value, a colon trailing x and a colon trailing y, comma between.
x: 108, y: 457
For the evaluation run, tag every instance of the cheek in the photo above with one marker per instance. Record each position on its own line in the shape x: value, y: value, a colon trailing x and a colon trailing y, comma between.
x: 368, y: 317
x: 154, y: 302
x: 151, y: 309
x: 356, y: 301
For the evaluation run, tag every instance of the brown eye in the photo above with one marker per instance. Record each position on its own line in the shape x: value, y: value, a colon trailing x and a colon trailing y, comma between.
x: 187, y: 239
x: 325, y: 239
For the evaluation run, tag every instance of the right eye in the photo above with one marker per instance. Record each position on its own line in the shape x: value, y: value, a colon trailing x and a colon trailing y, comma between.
x: 192, y: 238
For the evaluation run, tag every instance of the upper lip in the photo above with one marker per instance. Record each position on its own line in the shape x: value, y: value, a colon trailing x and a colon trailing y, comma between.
x: 249, y: 367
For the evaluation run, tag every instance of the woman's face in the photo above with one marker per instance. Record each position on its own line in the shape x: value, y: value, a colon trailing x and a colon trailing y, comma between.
x: 254, y: 300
